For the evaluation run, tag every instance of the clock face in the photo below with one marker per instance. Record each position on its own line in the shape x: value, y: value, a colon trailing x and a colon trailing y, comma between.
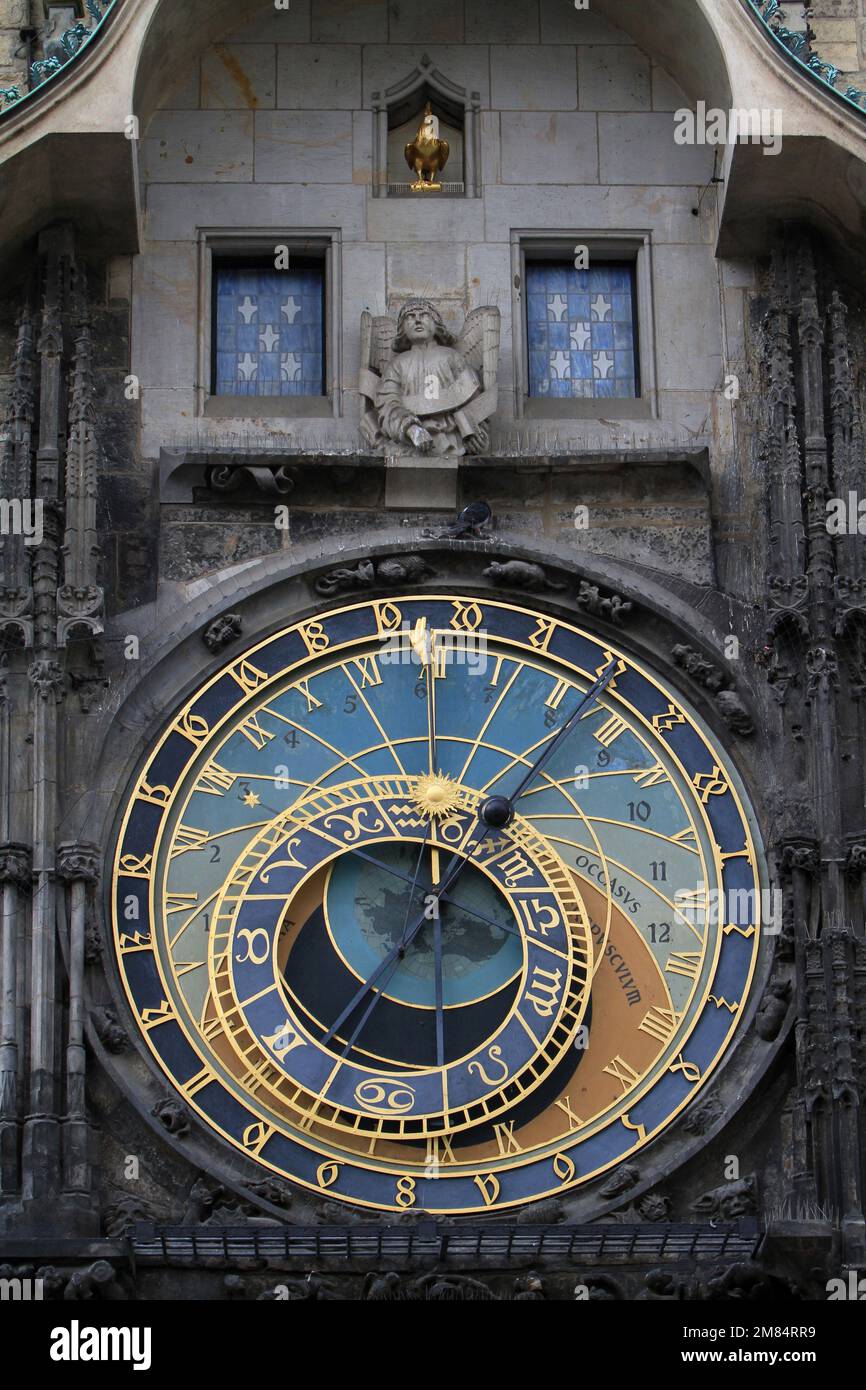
x: 410, y: 921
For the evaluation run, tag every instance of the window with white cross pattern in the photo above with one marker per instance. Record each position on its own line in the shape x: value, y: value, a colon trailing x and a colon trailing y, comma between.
x: 269, y: 337
x: 582, y: 330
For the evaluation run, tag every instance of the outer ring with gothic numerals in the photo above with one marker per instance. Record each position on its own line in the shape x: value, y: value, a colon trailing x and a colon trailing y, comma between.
x: 645, y: 810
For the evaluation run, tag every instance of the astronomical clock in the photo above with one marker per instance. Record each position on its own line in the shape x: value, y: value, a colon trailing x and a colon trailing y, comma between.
x: 436, y: 902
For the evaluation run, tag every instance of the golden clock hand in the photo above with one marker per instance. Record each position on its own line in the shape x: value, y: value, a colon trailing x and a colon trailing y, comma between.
x: 423, y: 643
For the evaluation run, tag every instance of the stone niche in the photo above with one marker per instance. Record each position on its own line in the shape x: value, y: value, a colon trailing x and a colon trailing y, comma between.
x: 398, y: 112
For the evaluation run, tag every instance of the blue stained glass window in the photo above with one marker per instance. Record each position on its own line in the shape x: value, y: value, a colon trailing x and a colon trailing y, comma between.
x: 269, y: 332
x: 581, y: 331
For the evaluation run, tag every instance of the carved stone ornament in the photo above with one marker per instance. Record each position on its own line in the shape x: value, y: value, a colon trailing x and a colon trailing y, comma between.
x: 699, y: 668
x: 396, y: 569
x: 222, y: 631
x: 856, y: 859
x: 276, y: 480
x: 173, y: 1115
x: 425, y: 391
x: 734, y: 713
x: 612, y: 607
x: 78, y: 861
x: 715, y: 679
x: 47, y: 679
x: 109, y: 1030
x: 800, y: 854
x: 519, y: 574
x: 773, y: 1010
x: 15, y: 864
x: 729, y: 1201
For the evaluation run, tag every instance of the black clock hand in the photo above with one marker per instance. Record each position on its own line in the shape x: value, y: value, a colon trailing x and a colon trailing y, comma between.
x: 392, y: 959
x: 440, y: 1007
x: 497, y: 811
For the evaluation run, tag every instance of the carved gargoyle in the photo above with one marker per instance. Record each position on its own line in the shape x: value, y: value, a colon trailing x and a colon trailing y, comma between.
x: 425, y: 391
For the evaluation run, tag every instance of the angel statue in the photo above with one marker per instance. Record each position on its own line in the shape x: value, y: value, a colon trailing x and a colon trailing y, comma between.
x: 426, y: 392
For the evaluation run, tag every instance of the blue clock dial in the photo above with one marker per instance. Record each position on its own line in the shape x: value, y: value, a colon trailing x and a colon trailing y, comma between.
x: 437, y: 902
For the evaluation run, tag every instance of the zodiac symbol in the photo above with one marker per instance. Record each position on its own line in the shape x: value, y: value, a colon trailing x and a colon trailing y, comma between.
x: 384, y: 1096
x: 290, y: 863
x: 251, y: 948
x: 495, y: 1055
x: 546, y: 982
x: 354, y: 822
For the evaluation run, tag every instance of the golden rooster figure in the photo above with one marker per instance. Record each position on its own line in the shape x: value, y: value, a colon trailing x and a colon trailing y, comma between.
x: 427, y: 155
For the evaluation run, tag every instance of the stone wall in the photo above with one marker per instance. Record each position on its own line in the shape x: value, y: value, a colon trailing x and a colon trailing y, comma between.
x: 14, y: 16
x: 274, y: 129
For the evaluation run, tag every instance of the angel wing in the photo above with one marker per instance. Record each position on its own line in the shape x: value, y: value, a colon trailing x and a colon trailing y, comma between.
x: 377, y: 341
x: 377, y: 348
x: 479, y: 342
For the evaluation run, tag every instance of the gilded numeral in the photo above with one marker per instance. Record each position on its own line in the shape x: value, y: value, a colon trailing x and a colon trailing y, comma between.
x: 132, y: 867
x: 254, y: 733
x: 368, y: 670
x: 179, y: 902
x: 622, y: 1072
x: 388, y: 618
x: 557, y: 694
x: 664, y: 723
x: 659, y: 1024
x: 467, y: 616
x: 686, y: 963
x: 710, y: 784
x: 564, y: 1104
x: 199, y: 1081
x: 152, y: 1018
x: 188, y: 837
x: 193, y: 727
x: 489, y: 1187
x: 315, y: 637
x: 653, y: 777
x: 690, y: 1071
x: 687, y: 838
x: 722, y: 1003
x: 405, y: 1192
x: 638, y: 1129
x: 312, y: 703
x: 564, y: 1168
x: 505, y: 1140
x: 156, y: 796
x: 327, y: 1174
x: 621, y: 669
x: 256, y: 1136
x: 610, y: 731
x: 439, y: 1151
x: 215, y: 780
x: 248, y: 676
x: 541, y: 637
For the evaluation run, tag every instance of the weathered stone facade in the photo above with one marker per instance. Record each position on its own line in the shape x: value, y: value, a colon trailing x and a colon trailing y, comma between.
x: 707, y: 498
